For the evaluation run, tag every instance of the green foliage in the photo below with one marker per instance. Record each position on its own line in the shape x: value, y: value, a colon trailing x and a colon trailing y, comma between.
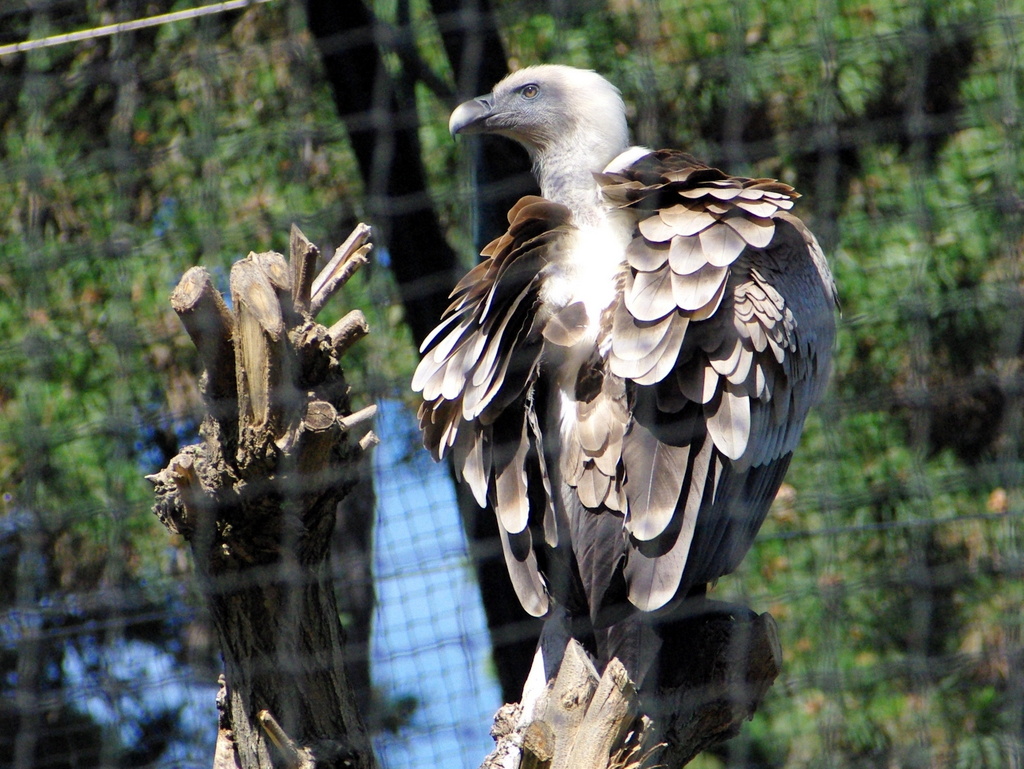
x: 227, y: 136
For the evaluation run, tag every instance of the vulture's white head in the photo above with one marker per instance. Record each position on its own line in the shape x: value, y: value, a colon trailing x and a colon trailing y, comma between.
x: 571, y: 121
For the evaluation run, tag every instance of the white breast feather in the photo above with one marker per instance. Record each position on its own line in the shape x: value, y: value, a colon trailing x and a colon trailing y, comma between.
x: 587, y: 274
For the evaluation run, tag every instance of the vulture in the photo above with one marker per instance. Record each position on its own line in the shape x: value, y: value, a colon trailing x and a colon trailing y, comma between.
x: 625, y: 375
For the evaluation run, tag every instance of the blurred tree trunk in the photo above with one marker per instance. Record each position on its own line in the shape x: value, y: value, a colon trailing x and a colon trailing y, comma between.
x: 352, y: 556
x: 379, y: 111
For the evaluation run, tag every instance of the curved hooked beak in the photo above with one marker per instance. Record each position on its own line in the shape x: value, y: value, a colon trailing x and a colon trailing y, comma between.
x: 470, y: 117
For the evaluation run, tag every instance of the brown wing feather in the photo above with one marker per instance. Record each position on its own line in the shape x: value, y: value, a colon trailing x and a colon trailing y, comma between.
x: 476, y: 376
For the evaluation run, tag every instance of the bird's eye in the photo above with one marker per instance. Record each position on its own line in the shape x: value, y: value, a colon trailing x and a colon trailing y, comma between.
x: 529, y: 91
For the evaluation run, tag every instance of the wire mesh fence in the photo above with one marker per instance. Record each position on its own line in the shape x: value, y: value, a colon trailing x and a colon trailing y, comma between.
x: 892, y: 557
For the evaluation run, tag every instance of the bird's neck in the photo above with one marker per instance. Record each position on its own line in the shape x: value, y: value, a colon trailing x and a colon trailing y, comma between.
x: 567, y: 177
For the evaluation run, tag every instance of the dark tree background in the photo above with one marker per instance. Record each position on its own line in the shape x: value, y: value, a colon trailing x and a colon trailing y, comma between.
x: 376, y: 106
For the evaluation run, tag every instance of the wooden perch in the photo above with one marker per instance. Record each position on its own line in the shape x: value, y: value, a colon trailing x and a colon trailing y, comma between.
x: 257, y: 500
x: 583, y: 721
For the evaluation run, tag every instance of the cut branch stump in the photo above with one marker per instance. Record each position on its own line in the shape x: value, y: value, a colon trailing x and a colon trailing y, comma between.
x: 256, y: 501
x: 582, y: 720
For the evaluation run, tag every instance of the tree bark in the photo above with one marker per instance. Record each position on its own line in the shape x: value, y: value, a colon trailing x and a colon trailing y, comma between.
x: 256, y: 501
